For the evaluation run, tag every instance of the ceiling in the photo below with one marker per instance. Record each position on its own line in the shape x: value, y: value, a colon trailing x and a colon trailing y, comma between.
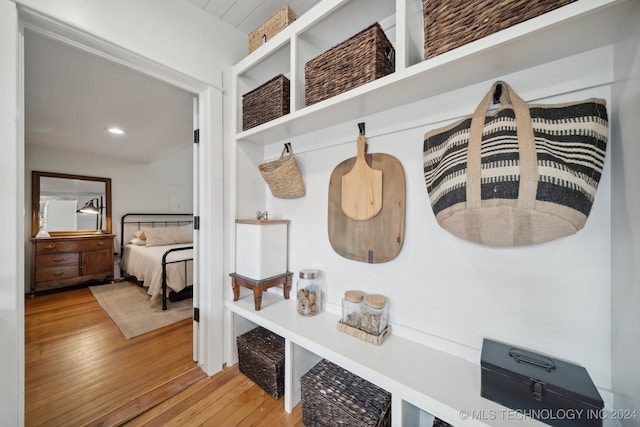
x: 247, y: 15
x: 73, y: 96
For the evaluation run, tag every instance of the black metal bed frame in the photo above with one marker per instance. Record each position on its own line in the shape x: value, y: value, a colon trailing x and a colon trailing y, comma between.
x: 152, y: 223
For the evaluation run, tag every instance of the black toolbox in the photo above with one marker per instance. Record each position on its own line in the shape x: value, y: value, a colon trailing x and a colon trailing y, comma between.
x: 552, y: 391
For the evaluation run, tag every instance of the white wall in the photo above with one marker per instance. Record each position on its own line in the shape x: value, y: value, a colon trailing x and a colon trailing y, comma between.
x: 553, y: 298
x: 11, y: 271
x: 625, y: 252
x: 170, y: 32
x: 135, y: 187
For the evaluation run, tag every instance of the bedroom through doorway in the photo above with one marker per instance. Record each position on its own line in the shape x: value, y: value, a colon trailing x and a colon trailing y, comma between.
x: 83, y: 91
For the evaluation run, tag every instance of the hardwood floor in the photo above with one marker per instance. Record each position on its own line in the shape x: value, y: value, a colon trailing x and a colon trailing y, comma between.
x: 80, y: 370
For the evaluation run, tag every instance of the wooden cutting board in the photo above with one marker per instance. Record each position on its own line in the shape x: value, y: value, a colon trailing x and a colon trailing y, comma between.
x: 380, y: 238
x: 361, y: 188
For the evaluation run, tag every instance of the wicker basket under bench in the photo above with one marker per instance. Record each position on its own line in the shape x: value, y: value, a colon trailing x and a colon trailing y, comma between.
x: 261, y: 358
x: 333, y: 396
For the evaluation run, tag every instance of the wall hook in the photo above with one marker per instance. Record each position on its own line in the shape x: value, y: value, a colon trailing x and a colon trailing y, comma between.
x: 497, y: 94
x: 361, y: 128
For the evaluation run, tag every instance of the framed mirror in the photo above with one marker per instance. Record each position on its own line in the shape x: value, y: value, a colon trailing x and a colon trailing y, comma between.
x: 67, y: 205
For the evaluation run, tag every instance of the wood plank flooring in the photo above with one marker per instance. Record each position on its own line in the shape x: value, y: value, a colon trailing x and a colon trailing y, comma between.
x: 81, y: 371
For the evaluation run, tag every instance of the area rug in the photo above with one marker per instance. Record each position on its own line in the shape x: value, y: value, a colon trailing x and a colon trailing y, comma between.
x: 131, y: 309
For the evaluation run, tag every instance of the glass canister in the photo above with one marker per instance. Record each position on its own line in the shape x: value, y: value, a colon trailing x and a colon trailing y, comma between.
x: 309, y: 292
x: 374, y: 314
x: 352, y: 308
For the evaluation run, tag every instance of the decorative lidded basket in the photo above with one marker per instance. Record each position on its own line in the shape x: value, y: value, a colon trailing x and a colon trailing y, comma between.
x: 449, y: 24
x: 272, y: 26
x: 266, y: 102
x: 361, y: 59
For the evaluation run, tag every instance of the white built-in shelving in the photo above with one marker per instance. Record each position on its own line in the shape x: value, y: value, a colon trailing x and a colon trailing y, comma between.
x: 563, y: 32
x: 422, y: 380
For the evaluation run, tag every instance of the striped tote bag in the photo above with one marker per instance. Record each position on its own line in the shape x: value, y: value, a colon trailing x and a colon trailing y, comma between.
x: 521, y: 175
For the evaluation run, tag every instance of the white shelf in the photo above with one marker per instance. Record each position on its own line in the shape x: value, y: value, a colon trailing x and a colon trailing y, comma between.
x: 428, y: 379
x: 552, y: 36
x: 421, y: 379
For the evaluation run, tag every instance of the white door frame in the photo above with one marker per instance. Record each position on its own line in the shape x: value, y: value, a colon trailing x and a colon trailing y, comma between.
x: 208, y: 165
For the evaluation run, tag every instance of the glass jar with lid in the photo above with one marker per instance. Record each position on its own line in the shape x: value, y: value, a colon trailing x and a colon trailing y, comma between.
x: 309, y: 292
x: 352, y: 308
x: 374, y: 314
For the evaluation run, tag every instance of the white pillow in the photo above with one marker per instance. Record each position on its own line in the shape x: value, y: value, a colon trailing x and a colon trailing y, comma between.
x: 168, y: 235
x: 137, y: 242
x: 139, y: 234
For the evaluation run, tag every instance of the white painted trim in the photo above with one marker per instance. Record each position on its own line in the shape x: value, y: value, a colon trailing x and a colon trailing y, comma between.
x: 20, y: 222
x: 196, y: 233
x: 80, y: 39
x: 210, y: 196
x: 231, y: 211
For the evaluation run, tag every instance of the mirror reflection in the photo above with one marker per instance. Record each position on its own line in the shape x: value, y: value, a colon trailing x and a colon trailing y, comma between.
x: 70, y: 204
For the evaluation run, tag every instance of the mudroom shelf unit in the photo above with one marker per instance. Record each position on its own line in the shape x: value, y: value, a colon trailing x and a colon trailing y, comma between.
x: 551, y: 36
x: 423, y: 382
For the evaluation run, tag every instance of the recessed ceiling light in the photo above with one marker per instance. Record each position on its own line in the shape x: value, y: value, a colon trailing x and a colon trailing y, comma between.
x: 116, y: 131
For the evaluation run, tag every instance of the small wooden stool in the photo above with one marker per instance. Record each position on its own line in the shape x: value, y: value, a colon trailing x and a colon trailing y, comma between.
x: 259, y: 286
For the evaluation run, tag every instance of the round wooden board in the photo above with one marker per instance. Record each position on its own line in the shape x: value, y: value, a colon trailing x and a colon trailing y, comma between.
x: 380, y: 238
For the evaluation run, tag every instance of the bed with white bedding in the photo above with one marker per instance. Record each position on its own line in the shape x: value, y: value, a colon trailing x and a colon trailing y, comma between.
x: 157, y: 251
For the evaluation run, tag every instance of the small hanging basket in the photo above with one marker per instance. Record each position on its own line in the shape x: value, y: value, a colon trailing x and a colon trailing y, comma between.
x: 282, y: 175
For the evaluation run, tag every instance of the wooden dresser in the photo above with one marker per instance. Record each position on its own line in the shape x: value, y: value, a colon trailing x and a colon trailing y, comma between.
x: 64, y: 261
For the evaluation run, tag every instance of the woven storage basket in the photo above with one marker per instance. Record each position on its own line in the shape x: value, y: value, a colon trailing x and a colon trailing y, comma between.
x: 272, y: 26
x: 261, y: 358
x: 265, y: 103
x: 363, y: 58
x: 449, y: 24
x: 437, y: 422
x: 333, y: 396
x: 283, y: 176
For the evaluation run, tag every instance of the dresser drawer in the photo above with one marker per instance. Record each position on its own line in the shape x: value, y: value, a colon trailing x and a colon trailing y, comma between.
x: 66, y: 261
x: 95, y: 244
x: 57, y: 273
x: 55, y: 259
x: 48, y: 247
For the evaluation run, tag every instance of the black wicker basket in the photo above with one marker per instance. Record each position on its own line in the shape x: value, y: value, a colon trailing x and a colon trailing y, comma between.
x: 266, y: 102
x: 333, y: 396
x: 363, y: 58
x: 449, y: 24
x: 261, y: 358
x: 437, y: 422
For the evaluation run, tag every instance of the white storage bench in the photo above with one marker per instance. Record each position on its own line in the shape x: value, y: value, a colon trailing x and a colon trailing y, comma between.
x: 423, y: 382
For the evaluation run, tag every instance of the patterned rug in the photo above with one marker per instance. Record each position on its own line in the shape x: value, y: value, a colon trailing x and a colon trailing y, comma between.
x: 132, y: 310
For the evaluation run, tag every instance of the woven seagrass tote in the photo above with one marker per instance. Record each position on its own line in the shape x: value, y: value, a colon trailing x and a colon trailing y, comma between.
x: 521, y: 175
x: 283, y: 176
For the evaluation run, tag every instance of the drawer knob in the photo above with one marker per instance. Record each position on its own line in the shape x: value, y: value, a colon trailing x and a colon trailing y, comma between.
x: 50, y: 246
x: 59, y: 259
x: 101, y: 243
x: 58, y: 273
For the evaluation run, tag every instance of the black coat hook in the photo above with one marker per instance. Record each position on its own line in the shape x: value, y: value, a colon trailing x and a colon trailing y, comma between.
x: 361, y: 128
x: 287, y: 147
x: 497, y: 94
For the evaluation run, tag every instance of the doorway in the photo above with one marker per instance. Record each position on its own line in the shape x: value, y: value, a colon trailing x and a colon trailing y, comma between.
x: 207, y: 154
